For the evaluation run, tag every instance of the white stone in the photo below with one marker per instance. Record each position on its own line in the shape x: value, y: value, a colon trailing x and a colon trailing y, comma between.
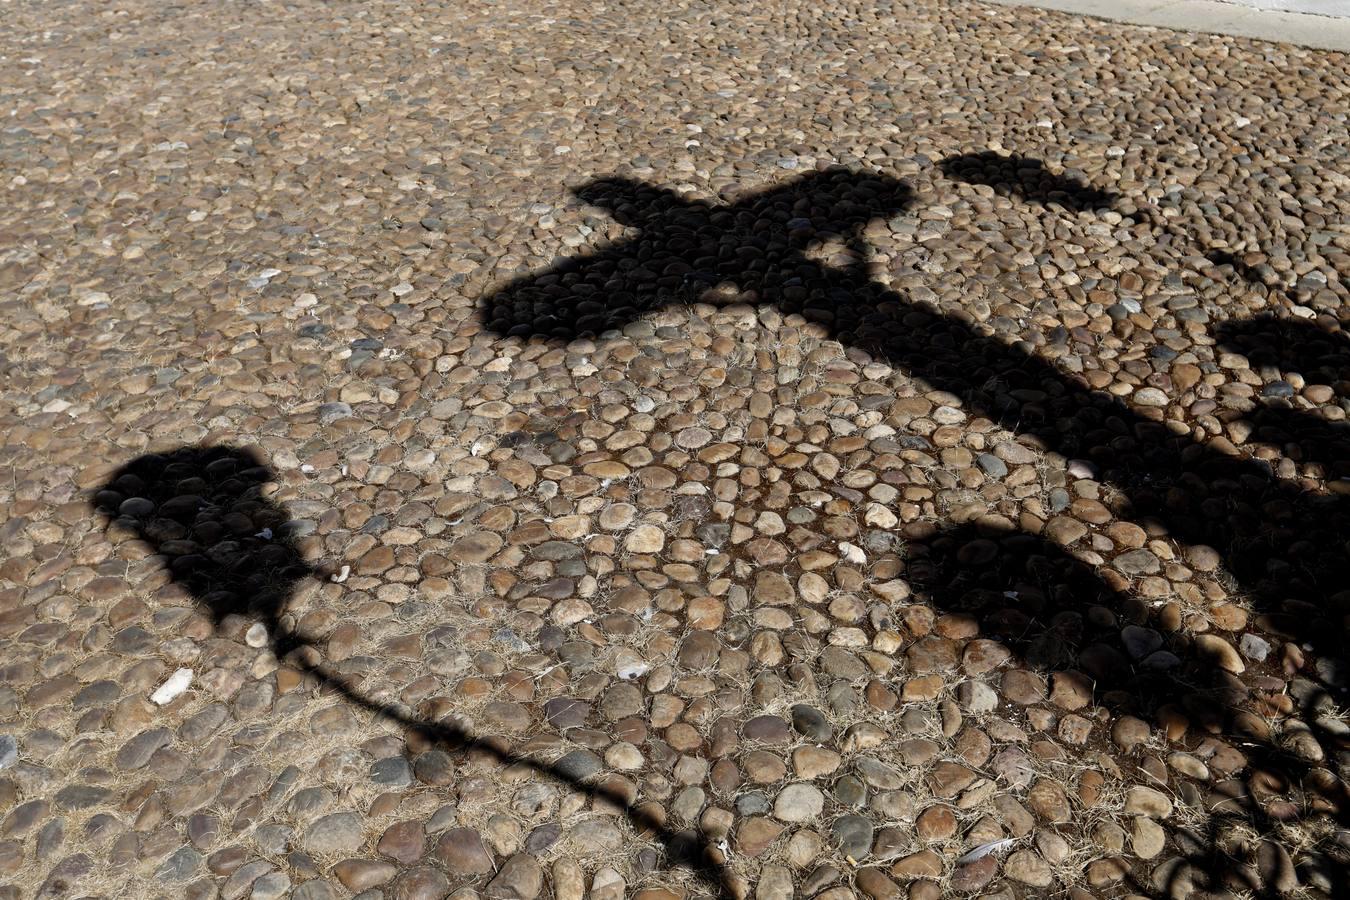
x: 173, y: 688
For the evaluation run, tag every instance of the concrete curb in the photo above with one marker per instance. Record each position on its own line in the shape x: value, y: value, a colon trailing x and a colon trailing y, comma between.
x: 1211, y: 16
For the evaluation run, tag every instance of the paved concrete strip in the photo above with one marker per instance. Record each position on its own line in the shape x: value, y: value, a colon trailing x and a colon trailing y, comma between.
x: 1304, y: 29
x: 1314, y: 7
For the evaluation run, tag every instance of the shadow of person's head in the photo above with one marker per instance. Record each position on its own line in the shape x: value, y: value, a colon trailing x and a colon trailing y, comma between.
x: 1028, y: 593
x: 203, y: 510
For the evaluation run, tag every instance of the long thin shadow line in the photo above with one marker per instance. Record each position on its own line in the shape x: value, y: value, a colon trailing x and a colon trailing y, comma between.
x: 682, y: 848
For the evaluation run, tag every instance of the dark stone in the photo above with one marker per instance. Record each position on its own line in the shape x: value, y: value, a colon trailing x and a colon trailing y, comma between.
x: 853, y: 834
x: 392, y: 771
x: 811, y: 722
x: 578, y: 764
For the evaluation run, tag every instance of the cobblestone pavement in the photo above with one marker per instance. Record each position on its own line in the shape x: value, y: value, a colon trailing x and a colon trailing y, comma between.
x: 669, y: 450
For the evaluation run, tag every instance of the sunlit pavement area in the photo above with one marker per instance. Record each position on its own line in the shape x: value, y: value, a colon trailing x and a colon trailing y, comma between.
x: 670, y: 450
x: 1309, y: 23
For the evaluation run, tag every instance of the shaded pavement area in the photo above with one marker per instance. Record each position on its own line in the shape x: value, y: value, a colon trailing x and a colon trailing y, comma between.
x: 670, y: 451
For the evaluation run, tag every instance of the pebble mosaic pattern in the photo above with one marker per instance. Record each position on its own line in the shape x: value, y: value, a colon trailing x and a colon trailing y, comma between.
x: 669, y: 450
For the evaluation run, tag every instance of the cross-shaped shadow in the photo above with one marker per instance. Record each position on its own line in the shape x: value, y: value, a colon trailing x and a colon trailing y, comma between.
x: 1197, y: 493
x: 688, y: 247
x: 1283, y: 542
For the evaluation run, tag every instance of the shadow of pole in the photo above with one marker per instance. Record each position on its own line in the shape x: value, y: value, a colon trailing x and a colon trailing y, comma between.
x: 202, y: 509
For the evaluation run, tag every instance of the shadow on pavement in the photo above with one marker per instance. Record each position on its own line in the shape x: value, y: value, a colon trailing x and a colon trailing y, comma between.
x: 1197, y: 493
x: 1283, y: 541
x: 1320, y: 353
x: 1027, y: 179
x: 203, y: 511
x: 1095, y: 645
x: 754, y: 249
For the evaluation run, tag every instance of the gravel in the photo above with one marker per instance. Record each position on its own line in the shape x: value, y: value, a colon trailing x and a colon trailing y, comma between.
x: 701, y: 449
